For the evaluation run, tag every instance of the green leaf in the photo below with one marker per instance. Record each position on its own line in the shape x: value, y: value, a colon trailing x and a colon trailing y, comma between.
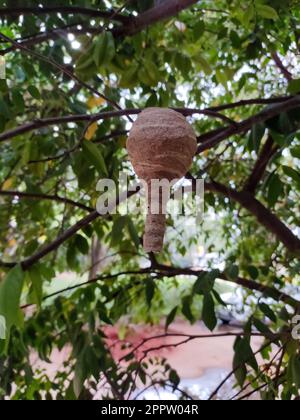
x: 151, y: 101
x: 149, y: 73
x: 94, y: 156
x: 286, y: 123
x: 47, y: 271
x: 37, y: 284
x: 81, y: 244
x: 235, y: 39
x: 4, y: 110
x: 10, y: 295
x: 266, y: 12
x: 222, y: 78
x: 232, y: 272
x: 129, y: 77
x: 133, y: 233
x: 275, y: 189
x: 292, y: 173
x: 80, y: 376
x: 256, y: 136
x: 199, y: 287
x: 253, y: 272
x: 246, y: 16
x: 240, y: 371
x: 144, y: 77
x: 284, y: 315
x: 296, y: 370
x: 267, y: 311
x: 104, y: 48
x: 218, y: 298
x: 244, y: 353
x: 150, y: 291
x: 102, y: 312
x: 280, y: 139
x: 198, y: 30
x: 18, y: 101
x: 261, y: 327
x: 183, y: 63
x: 204, y: 64
x: 174, y: 379
x: 295, y: 152
x: 208, y: 312
x: 205, y: 282
x: 72, y: 256
x: 170, y: 318
x: 117, y: 230
x: 34, y: 92
x: 100, y: 47
x: 86, y: 62
x: 294, y: 86
x: 186, y: 308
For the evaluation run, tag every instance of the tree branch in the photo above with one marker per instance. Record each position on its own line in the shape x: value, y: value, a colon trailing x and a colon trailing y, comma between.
x: 264, y: 216
x: 29, y: 262
x: 215, y: 392
x: 40, y: 123
x: 72, y: 10
x: 247, y: 102
x: 37, y: 196
x: 186, y: 339
x: 207, y: 140
x: 287, y: 74
x: 245, y: 199
x: 49, y: 35
x: 248, y: 284
x: 167, y: 271
x: 268, y: 151
x: 212, y: 139
x: 130, y: 25
x: 165, y: 10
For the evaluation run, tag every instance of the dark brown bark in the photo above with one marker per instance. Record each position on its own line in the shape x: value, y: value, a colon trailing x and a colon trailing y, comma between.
x: 156, y: 14
x: 268, y: 151
x: 287, y: 74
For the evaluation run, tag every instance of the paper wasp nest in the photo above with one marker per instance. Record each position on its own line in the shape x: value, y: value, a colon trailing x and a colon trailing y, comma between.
x: 161, y: 145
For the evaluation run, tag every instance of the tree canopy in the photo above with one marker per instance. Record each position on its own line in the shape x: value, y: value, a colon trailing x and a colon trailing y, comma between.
x: 77, y: 73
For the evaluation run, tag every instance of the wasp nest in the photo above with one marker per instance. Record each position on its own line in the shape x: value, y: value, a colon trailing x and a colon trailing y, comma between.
x: 161, y: 145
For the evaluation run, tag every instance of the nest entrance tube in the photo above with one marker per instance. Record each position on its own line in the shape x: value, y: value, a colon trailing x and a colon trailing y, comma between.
x: 161, y: 146
x: 156, y: 220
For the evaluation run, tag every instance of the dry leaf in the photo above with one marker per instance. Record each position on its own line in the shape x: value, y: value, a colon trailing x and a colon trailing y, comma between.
x: 95, y: 101
x: 7, y: 184
x: 90, y: 132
